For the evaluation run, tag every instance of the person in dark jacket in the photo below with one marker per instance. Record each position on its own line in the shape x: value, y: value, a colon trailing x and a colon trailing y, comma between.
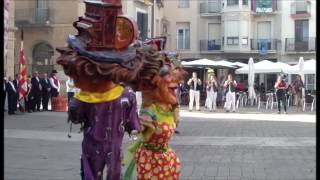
x: 4, y: 92
x: 281, y: 87
x: 46, y: 90
x: 36, y: 91
x: 11, y: 90
x: 16, y: 85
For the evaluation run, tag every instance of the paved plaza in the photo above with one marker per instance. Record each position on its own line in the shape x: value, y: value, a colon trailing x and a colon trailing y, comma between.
x: 246, y: 145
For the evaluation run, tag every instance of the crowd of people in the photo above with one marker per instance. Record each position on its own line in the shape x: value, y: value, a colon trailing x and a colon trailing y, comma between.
x: 223, y: 92
x: 39, y: 91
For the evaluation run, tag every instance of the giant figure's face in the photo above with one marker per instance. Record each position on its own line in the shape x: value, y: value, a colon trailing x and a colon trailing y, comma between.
x: 166, y: 84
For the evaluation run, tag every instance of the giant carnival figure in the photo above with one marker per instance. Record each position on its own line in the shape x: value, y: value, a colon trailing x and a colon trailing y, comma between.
x: 158, y: 81
x: 103, y: 59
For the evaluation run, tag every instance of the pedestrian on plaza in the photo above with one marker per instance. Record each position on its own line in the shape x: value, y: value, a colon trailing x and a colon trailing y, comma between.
x: 212, y: 88
x: 16, y: 86
x: 71, y: 89
x: 29, y: 98
x: 230, y: 85
x: 12, y: 91
x: 298, y: 87
x: 46, y: 91
x: 281, y: 87
x: 55, y: 84
x: 36, y: 91
x: 5, y: 81
x: 194, y: 91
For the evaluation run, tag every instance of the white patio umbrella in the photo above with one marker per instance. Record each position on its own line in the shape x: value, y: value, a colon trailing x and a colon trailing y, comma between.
x: 252, y: 94
x: 239, y: 64
x: 301, y: 68
x: 207, y: 63
x: 261, y: 67
x: 309, y: 67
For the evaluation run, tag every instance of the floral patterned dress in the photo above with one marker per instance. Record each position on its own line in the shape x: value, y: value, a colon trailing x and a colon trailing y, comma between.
x: 154, y: 159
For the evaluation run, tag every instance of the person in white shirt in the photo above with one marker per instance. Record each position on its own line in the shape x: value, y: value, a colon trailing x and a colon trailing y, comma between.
x: 230, y: 84
x: 55, y: 84
x: 194, y: 92
x: 71, y: 89
x: 212, y: 89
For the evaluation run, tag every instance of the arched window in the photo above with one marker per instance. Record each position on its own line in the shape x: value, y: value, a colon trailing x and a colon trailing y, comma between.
x: 42, y: 53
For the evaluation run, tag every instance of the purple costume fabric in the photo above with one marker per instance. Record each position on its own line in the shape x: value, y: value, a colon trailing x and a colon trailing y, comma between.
x: 105, y: 124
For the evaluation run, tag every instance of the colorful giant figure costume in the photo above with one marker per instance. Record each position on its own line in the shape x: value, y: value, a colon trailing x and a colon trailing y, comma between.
x: 99, y: 59
x: 151, y: 155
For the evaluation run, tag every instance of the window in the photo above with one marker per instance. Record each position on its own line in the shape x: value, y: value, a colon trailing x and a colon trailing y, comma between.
x: 184, y: 3
x: 244, y: 41
x: 142, y: 21
x: 301, y: 6
x: 310, y: 82
x: 245, y: 2
x: 183, y: 36
x: 232, y: 2
x: 232, y: 40
x: 264, y: 6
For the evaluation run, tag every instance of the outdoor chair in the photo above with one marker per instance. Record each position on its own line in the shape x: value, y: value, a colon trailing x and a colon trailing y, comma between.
x: 274, y: 100
x: 309, y: 99
x: 242, y: 99
x: 289, y: 99
x: 263, y: 99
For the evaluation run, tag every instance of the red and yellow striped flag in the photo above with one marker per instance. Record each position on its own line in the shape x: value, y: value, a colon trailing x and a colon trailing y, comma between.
x: 23, y: 72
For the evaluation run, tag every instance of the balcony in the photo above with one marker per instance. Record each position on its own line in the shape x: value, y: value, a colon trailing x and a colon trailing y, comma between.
x: 300, y: 9
x: 210, y: 45
x: 210, y: 8
x: 266, y: 44
x: 31, y: 17
x: 304, y: 45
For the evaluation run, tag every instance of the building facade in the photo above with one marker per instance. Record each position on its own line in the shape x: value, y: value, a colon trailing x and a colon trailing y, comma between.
x: 235, y: 30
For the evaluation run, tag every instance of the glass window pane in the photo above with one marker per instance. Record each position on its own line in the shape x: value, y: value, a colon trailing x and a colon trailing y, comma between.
x: 180, y: 39
x: 187, y: 39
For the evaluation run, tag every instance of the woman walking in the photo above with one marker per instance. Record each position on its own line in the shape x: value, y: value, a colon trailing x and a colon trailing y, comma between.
x: 281, y: 87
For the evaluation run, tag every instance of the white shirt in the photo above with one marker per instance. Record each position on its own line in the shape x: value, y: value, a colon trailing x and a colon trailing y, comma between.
x: 70, y: 86
x: 53, y: 85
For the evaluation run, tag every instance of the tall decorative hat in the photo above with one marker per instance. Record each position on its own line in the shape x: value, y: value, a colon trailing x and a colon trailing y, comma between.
x: 104, y: 33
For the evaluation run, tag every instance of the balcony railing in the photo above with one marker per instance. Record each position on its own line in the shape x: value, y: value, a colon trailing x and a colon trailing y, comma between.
x: 210, y: 45
x: 305, y: 45
x: 31, y: 16
x: 267, y: 44
x: 210, y: 7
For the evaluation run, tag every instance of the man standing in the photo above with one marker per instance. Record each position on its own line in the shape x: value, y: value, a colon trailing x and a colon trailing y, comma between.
x: 46, y: 88
x: 230, y: 86
x: 194, y: 91
x: 16, y: 86
x: 55, y: 84
x: 36, y: 91
x: 12, y: 91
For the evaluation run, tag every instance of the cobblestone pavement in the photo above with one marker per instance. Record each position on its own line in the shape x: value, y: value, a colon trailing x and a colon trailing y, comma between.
x: 211, y: 146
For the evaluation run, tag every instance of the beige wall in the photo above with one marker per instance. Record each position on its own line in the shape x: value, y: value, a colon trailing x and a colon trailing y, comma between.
x: 11, y: 40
